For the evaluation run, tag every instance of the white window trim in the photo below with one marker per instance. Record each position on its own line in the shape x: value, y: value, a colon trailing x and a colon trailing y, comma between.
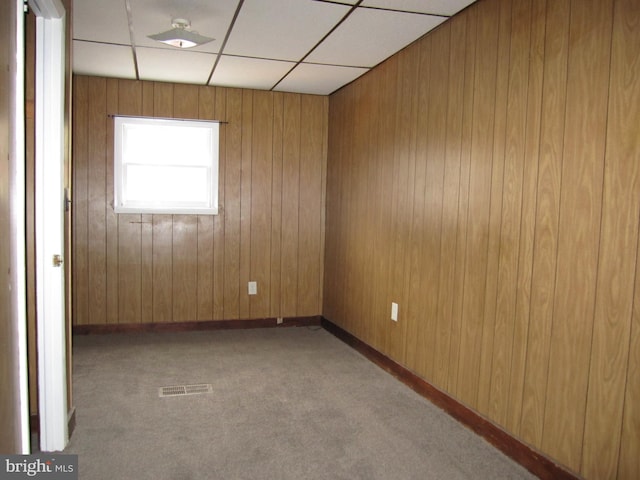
x: 120, y: 206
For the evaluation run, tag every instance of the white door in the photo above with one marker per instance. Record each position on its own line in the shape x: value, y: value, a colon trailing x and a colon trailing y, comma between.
x: 49, y: 205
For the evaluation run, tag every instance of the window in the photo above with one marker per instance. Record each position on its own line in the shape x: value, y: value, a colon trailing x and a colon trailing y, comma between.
x: 165, y: 166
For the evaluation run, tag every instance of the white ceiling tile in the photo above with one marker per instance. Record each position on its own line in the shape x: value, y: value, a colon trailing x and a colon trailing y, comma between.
x: 100, y: 21
x: 103, y: 59
x: 178, y: 66
x: 318, y: 79
x: 434, y: 7
x: 282, y: 29
x: 265, y: 31
x: 369, y: 36
x: 249, y: 72
x: 211, y: 19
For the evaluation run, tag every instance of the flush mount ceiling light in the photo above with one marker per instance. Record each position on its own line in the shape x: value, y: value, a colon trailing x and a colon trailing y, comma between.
x: 180, y: 35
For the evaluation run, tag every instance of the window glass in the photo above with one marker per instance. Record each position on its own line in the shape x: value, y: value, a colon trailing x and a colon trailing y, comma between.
x: 165, y: 166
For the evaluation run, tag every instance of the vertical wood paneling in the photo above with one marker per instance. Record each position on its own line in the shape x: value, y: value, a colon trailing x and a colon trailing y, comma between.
x: 385, y: 149
x: 434, y: 197
x: 204, y: 266
x: 323, y: 201
x: 578, y: 239
x: 463, y: 200
x: 233, y: 169
x: 335, y: 245
x: 401, y: 195
x: 185, y: 268
x: 129, y: 269
x: 261, y: 178
x: 348, y: 242
x: 629, y: 462
x: 245, y: 201
x: 415, y: 309
x: 10, y: 375
x: 547, y: 218
x: 96, y: 194
x: 290, y: 204
x: 496, y: 212
x: 534, y: 168
x: 329, y: 305
x: 479, y: 196
x: 511, y: 210
x: 370, y: 123
x: 618, y: 255
x: 162, y: 268
x: 80, y: 185
x: 177, y: 268
x: 310, y: 231
x: 354, y: 200
x: 527, y: 221
x: 276, y: 206
x: 622, y: 148
x: 451, y: 193
x: 111, y: 218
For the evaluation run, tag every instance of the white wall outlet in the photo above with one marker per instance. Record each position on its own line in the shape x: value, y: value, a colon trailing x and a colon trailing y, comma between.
x: 394, y: 312
x: 253, y: 288
x: 279, y: 321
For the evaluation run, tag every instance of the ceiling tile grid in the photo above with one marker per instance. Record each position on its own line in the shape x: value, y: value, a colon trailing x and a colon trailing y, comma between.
x: 246, y: 72
x: 318, y: 79
x: 282, y: 29
x: 103, y: 60
x: 369, y: 36
x: 174, y: 65
x: 303, y: 46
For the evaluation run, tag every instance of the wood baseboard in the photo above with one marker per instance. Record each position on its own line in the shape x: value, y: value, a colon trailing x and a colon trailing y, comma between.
x: 532, y: 460
x: 191, y: 326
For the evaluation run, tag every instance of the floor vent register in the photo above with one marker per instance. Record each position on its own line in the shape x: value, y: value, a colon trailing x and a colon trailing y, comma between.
x: 181, y: 390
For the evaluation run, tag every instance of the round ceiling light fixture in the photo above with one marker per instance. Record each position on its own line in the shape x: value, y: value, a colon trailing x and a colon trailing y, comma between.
x: 181, y: 35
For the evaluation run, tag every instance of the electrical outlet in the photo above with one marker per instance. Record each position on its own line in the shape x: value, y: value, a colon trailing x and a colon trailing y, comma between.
x: 253, y: 288
x: 279, y: 321
x: 394, y: 312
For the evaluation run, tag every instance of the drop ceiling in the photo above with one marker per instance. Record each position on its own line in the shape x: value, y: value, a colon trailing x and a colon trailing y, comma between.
x: 303, y: 46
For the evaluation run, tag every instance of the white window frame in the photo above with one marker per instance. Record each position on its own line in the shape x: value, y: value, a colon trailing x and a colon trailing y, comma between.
x: 165, y: 206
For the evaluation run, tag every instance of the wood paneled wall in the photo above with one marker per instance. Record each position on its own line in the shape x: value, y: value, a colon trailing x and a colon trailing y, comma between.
x: 168, y: 268
x: 487, y: 179
x: 10, y: 431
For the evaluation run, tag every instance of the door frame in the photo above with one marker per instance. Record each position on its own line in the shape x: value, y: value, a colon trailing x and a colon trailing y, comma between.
x: 49, y: 219
x: 17, y: 236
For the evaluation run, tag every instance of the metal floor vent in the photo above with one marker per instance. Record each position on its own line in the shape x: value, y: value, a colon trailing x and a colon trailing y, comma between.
x: 180, y: 390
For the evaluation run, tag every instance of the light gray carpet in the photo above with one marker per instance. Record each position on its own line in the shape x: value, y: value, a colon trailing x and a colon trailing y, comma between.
x: 287, y: 403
